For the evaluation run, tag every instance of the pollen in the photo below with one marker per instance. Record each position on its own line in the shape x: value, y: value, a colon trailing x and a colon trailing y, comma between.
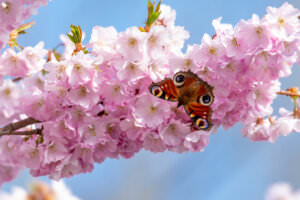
x: 259, y: 31
x: 153, y: 109
x: 281, y: 21
x: 39, y: 82
x: 152, y: 40
x: 92, y: 130
x: 78, y: 68
x: 117, y: 89
x: 187, y: 63
x: 52, y: 148
x: 132, y: 42
x: 61, y: 68
x: 133, y: 67
x: 212, y: 50
x: 82, y: 91
x: 235, y: 42
x: 109, y: 128
x: 173, y: 129
x: 7, y: 92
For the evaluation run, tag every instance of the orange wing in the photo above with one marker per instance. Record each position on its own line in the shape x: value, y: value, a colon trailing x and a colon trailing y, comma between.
x: 200, y: 114
x: 165, y: 89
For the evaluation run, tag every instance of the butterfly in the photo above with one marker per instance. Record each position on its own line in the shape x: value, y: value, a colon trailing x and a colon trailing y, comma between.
x: 188, y: 90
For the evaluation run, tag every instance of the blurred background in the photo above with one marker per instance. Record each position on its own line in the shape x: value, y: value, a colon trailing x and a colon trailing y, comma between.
x: 231, y: 167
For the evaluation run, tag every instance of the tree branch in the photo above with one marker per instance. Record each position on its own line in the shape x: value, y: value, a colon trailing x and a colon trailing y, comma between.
x: 19, y: 124
x: 32, y: 132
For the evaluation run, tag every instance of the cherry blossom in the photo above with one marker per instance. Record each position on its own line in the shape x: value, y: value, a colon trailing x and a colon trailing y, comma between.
x: 59, y: 116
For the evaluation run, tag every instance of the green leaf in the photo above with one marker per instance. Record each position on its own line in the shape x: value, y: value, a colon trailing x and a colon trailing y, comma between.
x: 76, y: 34
x: 153, y: 18
x: 71, y: 38
x: 158, y: 7
x: 24, y: 27
x: 152, y: 15
x: 150, y: 8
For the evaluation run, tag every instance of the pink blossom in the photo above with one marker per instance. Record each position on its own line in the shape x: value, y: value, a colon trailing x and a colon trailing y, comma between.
x: 9, y: 96
x: 209, y: 52
x: 196, y: 141
x: 97, y: 105
x: 174, y: 132
x: 34, y: 57
x: 258, y: 131
x: 283, y: 19
x: 132, y: 44
x: 131, y: 71
x: 148, y: 111
x: 167, y: 16
x: 154, y: 143
x: 103, y: 41
x: 13, y: 64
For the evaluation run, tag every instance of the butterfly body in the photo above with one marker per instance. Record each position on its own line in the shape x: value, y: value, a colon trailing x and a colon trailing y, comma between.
x: 190, y: 91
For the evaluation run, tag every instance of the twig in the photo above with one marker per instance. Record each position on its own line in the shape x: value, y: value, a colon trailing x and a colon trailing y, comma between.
x: 19, y: 124
x: 32, y: 132
x: 289, y: 93
x: 17, y: 79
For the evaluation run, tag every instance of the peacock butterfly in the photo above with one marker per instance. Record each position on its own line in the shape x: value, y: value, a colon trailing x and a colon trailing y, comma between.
x: 188, y: 90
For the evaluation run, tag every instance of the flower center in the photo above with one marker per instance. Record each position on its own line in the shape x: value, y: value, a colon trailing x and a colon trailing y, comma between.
x: 132, y: 67
x: 281, y: 21
x: 7, y: 91
x: 82, y: 91
x: 152, y: 40
x: 153, y: 109
x: 234, y: 42
x: 259, y: 31
x: 92, y: 129
x: 117, y: 89
x: 132, y: 42
x: 212, y: 50
x: 187, y: 63
x: 78, y: 68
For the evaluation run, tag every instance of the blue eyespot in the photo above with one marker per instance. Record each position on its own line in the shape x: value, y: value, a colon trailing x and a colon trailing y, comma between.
x: 179, y: 79
x: 205, y: 99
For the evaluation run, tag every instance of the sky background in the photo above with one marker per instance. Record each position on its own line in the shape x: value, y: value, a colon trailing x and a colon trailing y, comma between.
x: 231, y: 167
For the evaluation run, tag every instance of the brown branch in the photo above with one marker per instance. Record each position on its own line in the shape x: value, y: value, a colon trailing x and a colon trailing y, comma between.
x: 32, y: 132
x: 17, y: 79
x: 19, y: 124
x: 289, y: 93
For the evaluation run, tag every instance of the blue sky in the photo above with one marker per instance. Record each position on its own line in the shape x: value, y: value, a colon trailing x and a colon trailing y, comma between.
x: 232, y: 167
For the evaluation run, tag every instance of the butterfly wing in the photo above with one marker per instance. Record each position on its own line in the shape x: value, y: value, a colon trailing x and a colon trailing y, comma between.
x: 165, y: 89
x: 200, y: 114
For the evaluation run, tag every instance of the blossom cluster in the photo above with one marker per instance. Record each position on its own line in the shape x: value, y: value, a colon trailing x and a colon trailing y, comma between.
x: 15, y: 12
x: 96, y: 105
x: 282, y: 191
x: 39, y: 190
